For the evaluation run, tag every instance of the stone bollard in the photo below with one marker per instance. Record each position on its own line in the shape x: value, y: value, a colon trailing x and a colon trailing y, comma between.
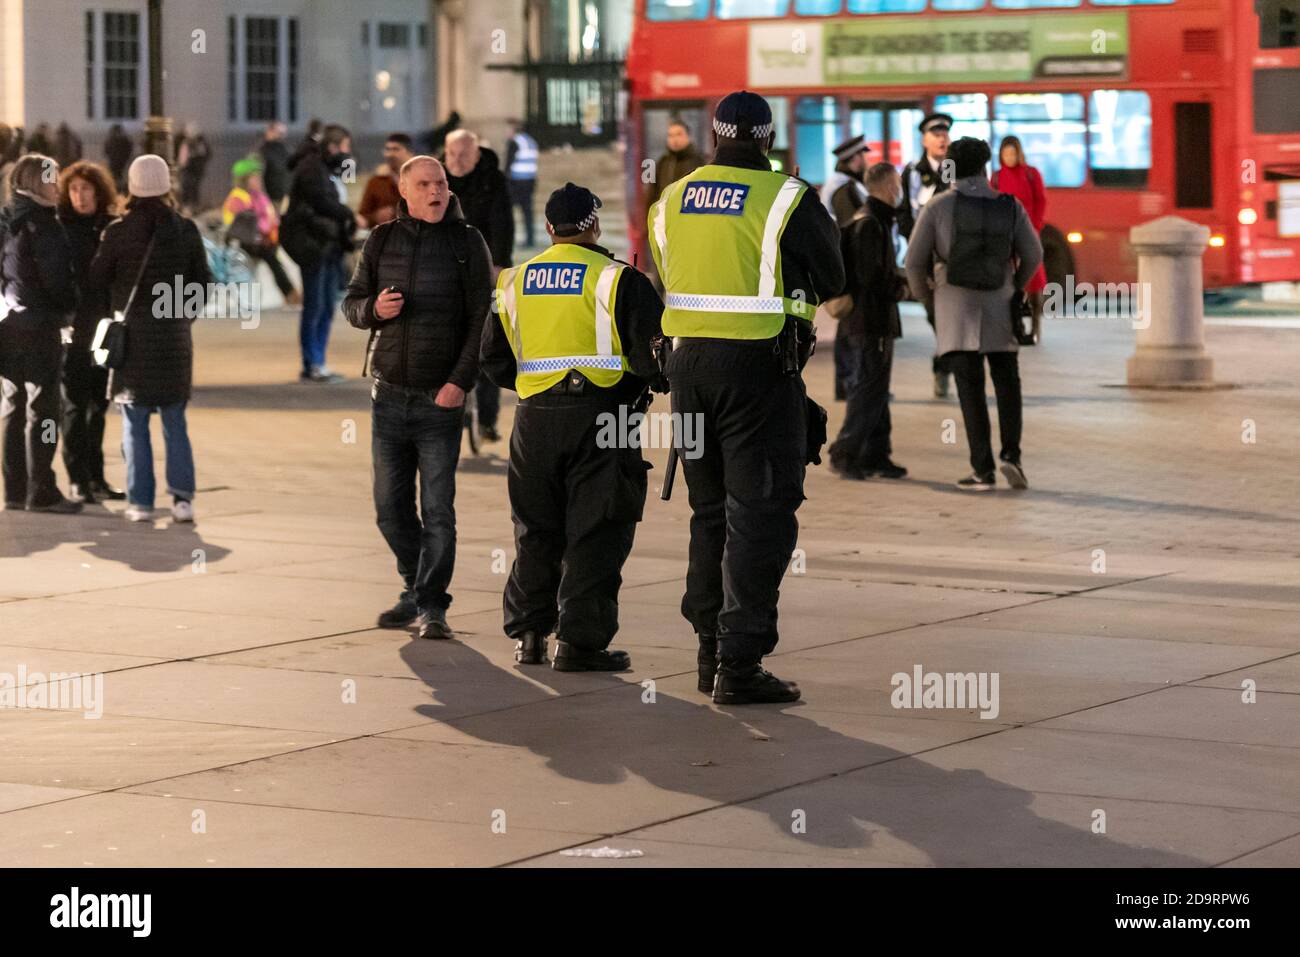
x: 1170, y: 332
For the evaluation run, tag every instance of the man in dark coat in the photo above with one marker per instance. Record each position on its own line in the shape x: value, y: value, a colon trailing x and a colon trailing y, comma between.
x: 862, y: 448
x: 422, y: 288
x: 39, y: 298
x: 475, y: 178
x: 275, y: 162
x: 316, y: 231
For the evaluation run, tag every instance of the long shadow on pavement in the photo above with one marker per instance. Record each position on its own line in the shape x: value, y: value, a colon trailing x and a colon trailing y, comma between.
x: 599, y: 731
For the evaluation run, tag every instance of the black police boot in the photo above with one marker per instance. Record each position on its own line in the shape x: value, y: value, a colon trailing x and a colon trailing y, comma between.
x: 530, y: 649
x: 572, y: 658
x: 400, y: 615
x: 432, y: 623
x: 745, y: 682
x: 103, y: 490
x: 707, y: 661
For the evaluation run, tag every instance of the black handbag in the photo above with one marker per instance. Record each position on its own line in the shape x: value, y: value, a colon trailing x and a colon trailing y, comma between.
x: 109, y: 346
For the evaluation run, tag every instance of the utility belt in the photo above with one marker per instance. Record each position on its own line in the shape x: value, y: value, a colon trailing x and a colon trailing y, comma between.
x: 793, y: 346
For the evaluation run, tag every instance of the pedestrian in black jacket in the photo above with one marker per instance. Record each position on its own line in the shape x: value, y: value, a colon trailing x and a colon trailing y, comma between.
x: 158, y: 371
x: 275, y: 163
x: 39, y: 299
x: 422, y: 287
x: 87, y: 203
x: 117, y: 150
x: 475, y: 178
x: 862, y: 448
x: 316, y: 232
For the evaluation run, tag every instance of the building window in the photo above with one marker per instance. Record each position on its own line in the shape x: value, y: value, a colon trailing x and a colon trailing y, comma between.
x: 395, y: 75
x: 1279, y: 23
x: 115, y: 65
x: 262, y: 81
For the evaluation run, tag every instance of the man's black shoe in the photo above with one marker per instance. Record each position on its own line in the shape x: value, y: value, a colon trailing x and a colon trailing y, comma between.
x: 572, y: 658
x: 15, y: 506
x: 107, y: 492
x: 60, y: 506
x: 433, y: 624
x: 887, y: 469
x: 707, y: 662
x: 530, y: 649
x: 847, y: 470
x: 753, y: 687
x: 1015, y: 475
x: 400, y: 615
x: 978, y: 483
x: 489, y: 433
x: 82, y: 493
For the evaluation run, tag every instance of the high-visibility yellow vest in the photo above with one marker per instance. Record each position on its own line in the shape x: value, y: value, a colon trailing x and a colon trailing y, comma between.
x: 716, y: 239
x: 557, y: 310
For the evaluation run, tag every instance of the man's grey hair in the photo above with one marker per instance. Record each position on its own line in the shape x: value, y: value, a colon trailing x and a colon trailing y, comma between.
x: 455, y: 136
x: 422, y: 158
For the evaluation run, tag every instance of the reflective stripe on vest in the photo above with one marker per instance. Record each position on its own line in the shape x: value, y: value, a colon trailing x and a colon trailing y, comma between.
x: 544, y: 318
x: 524, y: 164
x: 721, y: 227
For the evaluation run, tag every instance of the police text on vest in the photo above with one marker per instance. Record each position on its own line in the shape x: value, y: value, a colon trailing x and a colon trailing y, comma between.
x: 554, y: 279
x: 709, y: 197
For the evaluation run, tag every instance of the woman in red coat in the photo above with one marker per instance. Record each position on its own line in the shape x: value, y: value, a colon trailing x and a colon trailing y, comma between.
x: 1024, y: 182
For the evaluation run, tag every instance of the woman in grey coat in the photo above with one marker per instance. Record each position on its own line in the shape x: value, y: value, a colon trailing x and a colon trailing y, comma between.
x: 972, y: 308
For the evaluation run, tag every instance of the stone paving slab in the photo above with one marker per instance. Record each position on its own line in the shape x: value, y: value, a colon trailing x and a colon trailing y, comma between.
x: 1119, y: 691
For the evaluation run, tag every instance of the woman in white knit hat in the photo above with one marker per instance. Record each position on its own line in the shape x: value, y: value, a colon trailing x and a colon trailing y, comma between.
x: 154, y: 242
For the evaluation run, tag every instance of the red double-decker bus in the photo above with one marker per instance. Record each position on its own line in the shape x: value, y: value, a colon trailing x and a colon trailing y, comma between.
x: 1132, y: 109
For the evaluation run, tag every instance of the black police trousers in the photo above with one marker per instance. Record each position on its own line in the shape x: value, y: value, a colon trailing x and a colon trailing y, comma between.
x: 575, y: 506
x: 745, y: 485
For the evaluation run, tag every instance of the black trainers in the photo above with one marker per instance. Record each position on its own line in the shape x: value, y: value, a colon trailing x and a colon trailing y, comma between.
x: 707, y: 662
x: 400, y: 615
x: 755, y: 686
x: 887, y: 469
x: 433, y: 624
x: 1015, y: 475
x: 530, y: 649
x: 978, y: 483
x: 572, y: 658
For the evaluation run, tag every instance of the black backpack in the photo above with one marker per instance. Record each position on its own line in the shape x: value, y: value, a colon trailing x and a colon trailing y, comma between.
x: 981, y: 241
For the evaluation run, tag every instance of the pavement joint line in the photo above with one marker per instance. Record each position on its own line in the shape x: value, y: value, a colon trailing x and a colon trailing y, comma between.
x: 1164, y: 737
x: 1262, y: 847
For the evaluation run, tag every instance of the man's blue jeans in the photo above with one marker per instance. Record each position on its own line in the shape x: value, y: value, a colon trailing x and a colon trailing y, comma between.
x: 320, y: 294
x: 137, y: 449
x: 412, y: 435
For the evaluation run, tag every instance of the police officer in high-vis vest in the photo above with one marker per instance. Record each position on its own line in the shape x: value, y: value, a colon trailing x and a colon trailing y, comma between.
x: 572, y: 335
x: 745, y: 254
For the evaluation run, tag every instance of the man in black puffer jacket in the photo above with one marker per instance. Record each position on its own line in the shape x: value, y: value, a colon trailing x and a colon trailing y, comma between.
x: 39, y: 299
x: 422, y: 287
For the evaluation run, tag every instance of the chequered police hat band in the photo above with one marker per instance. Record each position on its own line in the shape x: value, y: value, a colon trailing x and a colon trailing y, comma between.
x: 579, y: 227
x: 732, y: 131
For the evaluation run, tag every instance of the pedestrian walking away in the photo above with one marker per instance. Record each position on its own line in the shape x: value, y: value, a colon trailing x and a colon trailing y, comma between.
x: 521, y: 166
x: 572, y: 337
x: 745, y: 255
x: 974, y: 250
x: 422, y: 288
x: 153, y: 245
x: 39, y: 299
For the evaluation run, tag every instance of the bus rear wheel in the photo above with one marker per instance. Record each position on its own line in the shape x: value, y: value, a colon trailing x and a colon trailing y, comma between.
x: 1058, y: 259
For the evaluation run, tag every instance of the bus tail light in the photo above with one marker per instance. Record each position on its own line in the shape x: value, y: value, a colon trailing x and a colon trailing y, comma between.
x: 1247, y: 216
x: 1217, y: 241
x: 1074, y: 237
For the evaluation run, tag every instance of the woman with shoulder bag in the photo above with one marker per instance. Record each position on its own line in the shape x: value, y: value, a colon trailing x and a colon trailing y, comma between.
x: 153, y: 245
x: 87, y: 203
x: 39, y: 300
x: 1017, y: 178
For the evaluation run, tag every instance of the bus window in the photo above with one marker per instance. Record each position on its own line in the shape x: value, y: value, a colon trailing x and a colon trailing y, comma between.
x: 1193, y: 156
x: 1279, y: 23
x: 1127, y: 3
x: 817, y: 8
x: 886, y: 6
x: 869, y: 123
x: 676, y: 9
x: 969, y: 112
x: 1050, y: 127
x: 817, y: 131
x: 1276, y: 94
x: 1034, y: 4
x: 738, y: 9
x: 1119, y: 138
x: 657, y: 118
x: 958, y: 4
